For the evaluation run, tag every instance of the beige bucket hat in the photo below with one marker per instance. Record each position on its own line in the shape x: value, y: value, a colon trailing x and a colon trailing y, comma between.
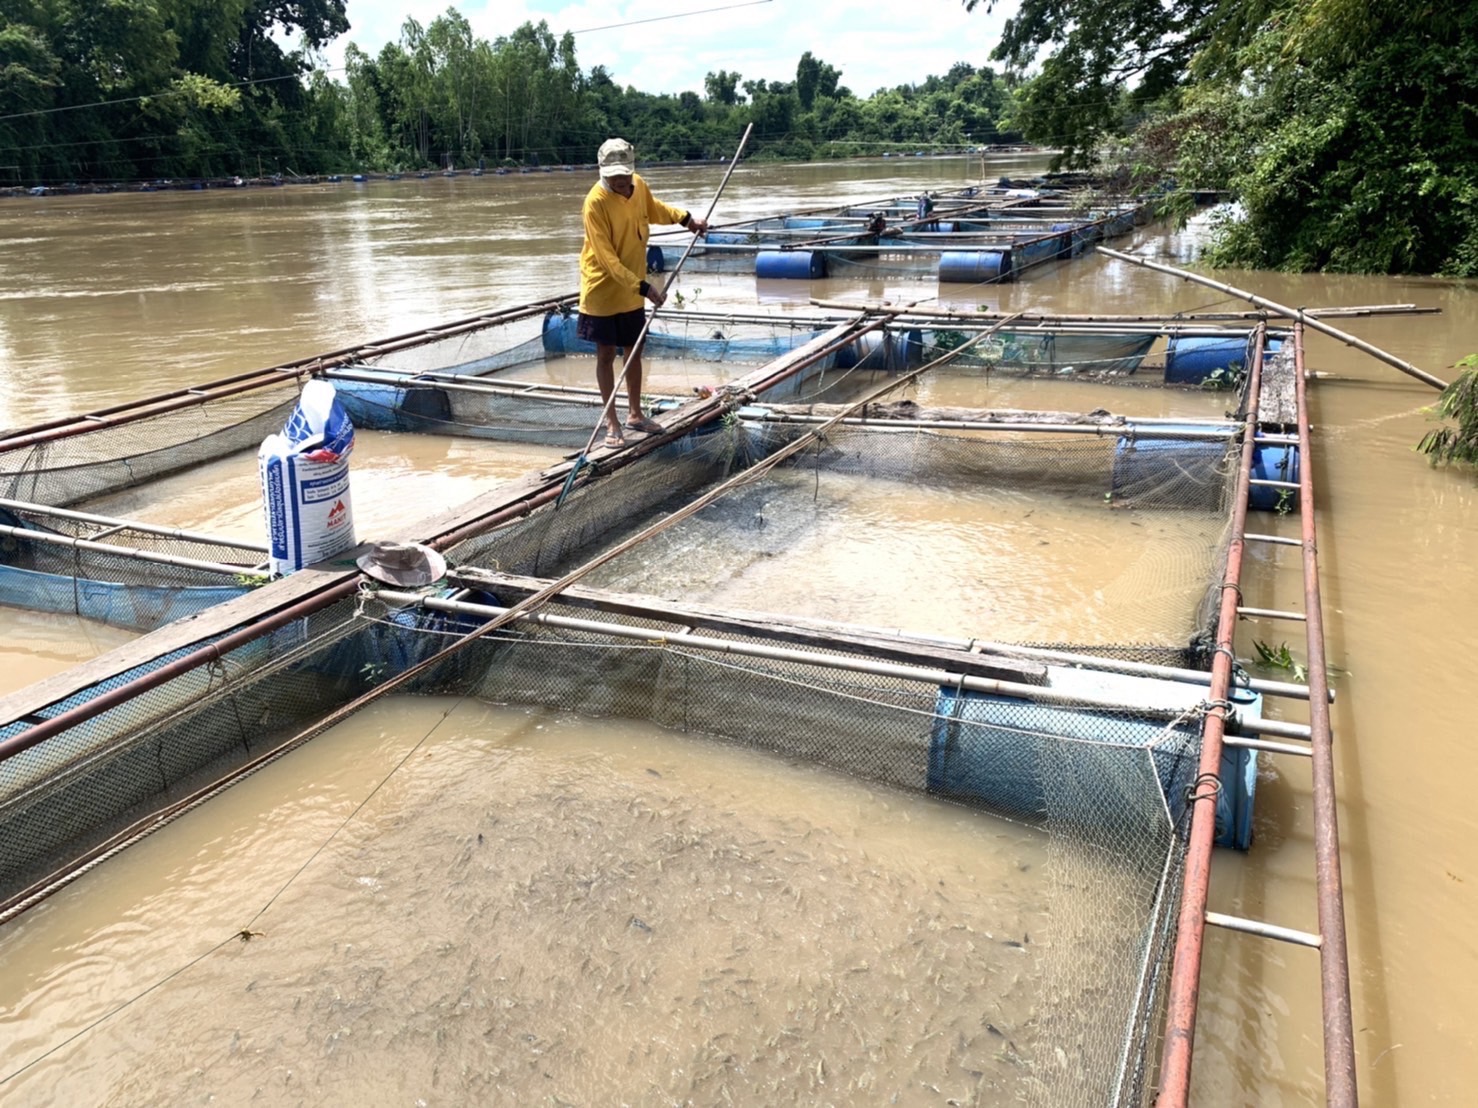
x: 407, y: 565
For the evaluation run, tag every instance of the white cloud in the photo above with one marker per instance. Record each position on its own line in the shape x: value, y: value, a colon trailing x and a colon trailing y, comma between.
x: 874, y: 45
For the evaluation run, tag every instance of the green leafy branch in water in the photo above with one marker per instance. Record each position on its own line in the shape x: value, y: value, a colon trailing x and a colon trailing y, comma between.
x: 1280, y: 657
x: 251, y: 580
x: 1223, y: 378
x: 679, y: 301
x: 1459, y: 401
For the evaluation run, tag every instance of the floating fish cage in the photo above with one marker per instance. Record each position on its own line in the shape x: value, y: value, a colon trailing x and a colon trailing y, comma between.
x: 1087, y: 732
x: 970, y: 244
x: 505, y: 379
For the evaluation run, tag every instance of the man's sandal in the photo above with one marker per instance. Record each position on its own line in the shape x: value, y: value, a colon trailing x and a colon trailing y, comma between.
x: 645, y: 425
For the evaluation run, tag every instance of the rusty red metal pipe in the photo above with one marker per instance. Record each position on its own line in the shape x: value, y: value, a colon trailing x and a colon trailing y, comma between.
x: 1190, y: 929
x: 96, y: 706
x: 1334, y: 959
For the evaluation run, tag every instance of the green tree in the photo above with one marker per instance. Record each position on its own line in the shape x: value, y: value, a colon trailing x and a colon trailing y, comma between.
x: 722, y: 87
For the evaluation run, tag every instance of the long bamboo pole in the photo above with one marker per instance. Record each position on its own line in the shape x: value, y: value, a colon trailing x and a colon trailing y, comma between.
x: 929, y: 675
x: 1289, y: 313
x: 113, y: 522
x: 51, y: 538
x: 1179, y: 317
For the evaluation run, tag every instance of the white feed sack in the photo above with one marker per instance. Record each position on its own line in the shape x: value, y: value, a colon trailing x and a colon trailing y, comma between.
x: 305, y: 482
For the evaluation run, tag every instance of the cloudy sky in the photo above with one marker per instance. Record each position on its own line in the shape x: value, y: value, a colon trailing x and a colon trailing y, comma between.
x: 874, y: 45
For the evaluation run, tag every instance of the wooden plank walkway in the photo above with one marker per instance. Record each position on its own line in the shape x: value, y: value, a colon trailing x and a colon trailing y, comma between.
x: 1277, y: 402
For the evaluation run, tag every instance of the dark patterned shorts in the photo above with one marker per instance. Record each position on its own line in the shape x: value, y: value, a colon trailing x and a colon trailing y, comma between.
x: 622, y: 329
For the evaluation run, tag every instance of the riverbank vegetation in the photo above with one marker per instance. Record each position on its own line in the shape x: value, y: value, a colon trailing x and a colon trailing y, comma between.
x: 145, y: 89
x: 1458, y: 403
x: 1343, y: 129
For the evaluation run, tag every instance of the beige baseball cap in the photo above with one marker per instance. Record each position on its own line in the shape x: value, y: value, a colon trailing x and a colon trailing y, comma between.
x: 617, y: 158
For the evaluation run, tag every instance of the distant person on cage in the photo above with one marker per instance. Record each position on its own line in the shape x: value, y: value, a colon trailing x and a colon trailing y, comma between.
x: 618, y: 212
x: 926, y: 206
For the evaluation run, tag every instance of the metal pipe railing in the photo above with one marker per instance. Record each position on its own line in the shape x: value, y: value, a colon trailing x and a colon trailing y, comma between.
x: 178, y: 399
x: 1334, y: 963
x: 1190, y: 929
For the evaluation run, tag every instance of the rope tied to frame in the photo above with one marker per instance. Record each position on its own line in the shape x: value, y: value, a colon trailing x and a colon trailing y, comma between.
x: 1206, y: 786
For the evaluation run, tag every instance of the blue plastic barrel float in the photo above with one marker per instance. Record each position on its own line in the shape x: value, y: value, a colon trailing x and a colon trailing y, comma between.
x: 1273, y: 463
x: 1196, y: 359
x: 655, y: 263
x: 974, y: 267
x: 794, y: 265
x: 1072, y: 239
x: 883, y: 350
x: 1078, y: 766
x: 560, y: 335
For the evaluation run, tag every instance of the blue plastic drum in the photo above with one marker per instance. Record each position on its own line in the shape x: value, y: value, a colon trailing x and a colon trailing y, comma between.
x: 974, y: 267
x: 1273, y: 463
x: 1196, y: 359
x: 793, y: 265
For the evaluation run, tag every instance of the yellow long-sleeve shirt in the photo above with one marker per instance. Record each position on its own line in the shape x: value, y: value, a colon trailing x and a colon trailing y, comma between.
x: 613, y: 261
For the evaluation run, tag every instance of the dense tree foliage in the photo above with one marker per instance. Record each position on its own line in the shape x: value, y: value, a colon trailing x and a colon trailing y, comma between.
x: 440, y: 96
x: 140, y: 89
x: 129, y: 88
x: 1345, y: 129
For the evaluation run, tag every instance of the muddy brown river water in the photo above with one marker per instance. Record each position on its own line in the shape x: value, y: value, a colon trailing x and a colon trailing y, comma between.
x: 367, y: 990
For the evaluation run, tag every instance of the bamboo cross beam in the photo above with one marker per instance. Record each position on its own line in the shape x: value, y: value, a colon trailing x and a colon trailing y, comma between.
x: 1297, y: 314
x: 961, y: 314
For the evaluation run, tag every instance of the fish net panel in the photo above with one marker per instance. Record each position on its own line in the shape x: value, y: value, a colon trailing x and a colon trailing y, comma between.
x: 1105, y: 787
x: 73, y: 469
x: 123, y: 588
x: 553, y: 538
x: 1107, y: 355
x: 69, y: 794
x: 1164, y: 519
x: 474, y: 352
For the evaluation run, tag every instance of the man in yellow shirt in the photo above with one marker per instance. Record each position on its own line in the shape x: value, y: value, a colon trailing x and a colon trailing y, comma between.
x: 618, y: 213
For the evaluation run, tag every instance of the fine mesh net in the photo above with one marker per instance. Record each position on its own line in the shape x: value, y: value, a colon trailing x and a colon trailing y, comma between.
x: 1099, y: 785
x: 1029, y: 537
x: 139, y: 580
x: 69, y: 470
x: 1049, y: 352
